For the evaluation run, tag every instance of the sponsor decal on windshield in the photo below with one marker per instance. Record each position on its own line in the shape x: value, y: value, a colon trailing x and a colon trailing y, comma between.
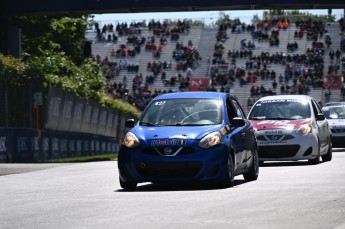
x: 159, y: 103
x: 280, y: 101
x: 168, y: 142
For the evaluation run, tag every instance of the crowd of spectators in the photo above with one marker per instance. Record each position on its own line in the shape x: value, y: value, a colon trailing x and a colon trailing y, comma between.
x: 301, y: 71
x: 185, y: 58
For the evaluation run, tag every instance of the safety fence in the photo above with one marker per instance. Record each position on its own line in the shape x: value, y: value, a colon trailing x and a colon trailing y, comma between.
x: 31, y: 145
x: 37, y: 125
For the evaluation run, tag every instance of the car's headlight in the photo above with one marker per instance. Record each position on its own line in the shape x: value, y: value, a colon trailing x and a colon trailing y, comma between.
x: 130, y: 140
x: 304, y: 130
x: 211, y: 139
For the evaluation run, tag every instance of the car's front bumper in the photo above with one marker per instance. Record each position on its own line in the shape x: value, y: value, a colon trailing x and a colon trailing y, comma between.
x: 202, y: 165
x: 338, y: 140
x: 294, y: 147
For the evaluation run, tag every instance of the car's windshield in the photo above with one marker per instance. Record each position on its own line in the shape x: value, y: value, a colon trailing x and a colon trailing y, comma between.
x: 183, y: 112
x: 334, y: 112
x: 282, y: 109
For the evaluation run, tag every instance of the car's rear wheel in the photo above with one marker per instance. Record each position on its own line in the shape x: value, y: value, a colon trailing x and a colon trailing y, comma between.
x: 315, y: 160
x: 229, y: 176
x: 328, y: 155
x: 128, y: 185
x: 253, y: 172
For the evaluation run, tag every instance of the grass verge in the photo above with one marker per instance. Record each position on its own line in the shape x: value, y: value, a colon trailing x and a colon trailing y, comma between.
x: 102, y: 157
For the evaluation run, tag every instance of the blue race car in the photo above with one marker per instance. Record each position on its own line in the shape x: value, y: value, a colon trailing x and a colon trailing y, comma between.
x: 187, y: 137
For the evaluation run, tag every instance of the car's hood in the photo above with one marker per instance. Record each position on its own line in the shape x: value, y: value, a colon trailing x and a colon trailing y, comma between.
x: 175, y: 132
x: 278, y: 124
x: 336, y: 122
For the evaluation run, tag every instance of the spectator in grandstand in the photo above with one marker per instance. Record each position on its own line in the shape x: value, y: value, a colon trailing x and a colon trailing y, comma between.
x: 328, y: 94
x: 251, y: 44
x: 328, y: 40
x: 112, y: 53
x: 124, y: 81
x: 337, y: 55
x: 342, y: 91
x: 238, y: 27
x: 274, y: 84
x: 331, y: 55
x: 285, y: 24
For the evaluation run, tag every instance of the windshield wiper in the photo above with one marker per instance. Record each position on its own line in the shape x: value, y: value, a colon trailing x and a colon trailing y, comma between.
x: 188, y: 124
x: 259, y: 118
x: 146, y: 123
x: 281, y: 118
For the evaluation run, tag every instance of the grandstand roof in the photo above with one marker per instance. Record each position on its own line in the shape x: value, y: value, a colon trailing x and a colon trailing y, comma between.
x: 25, y: 7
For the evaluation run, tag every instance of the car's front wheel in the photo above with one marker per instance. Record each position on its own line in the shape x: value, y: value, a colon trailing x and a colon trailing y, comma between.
x: 128, y: 185
x: 315, y: 160
x: 328, y: 155
x: 229, y: 176
x: 253, y: 172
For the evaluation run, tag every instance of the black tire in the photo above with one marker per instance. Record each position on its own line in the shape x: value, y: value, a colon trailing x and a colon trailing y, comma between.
x: 229, y: 177
x: 128, y: 185
x: 253, y: 172
x: 315, y: 160
x: 328, y: 155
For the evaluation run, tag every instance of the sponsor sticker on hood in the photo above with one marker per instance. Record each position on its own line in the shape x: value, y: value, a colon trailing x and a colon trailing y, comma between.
x: 168, y: 142
x: 279, y: 124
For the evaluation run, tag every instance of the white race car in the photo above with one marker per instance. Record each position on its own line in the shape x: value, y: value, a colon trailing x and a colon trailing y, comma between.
x: 335, y: 114
x: 291, y: 128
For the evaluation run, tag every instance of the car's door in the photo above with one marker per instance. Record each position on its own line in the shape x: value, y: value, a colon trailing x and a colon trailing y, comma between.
x: 322, y: 126
x: 237, y: 135
x: 249, y: 134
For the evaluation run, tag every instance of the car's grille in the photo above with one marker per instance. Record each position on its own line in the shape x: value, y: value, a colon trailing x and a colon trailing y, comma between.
x: 338, y: 142
x: 338, y: 131
x: 279, y: 151
x: 168, y: 169
x: 274, y: 137
x: 162, y: 151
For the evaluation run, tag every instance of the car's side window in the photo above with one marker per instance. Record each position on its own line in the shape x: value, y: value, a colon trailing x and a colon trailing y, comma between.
x: 239, y: 112
x: 231, y: 113
x: 316, y: 108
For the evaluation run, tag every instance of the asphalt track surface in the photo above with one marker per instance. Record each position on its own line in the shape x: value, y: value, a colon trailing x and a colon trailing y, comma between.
x: 88, y: 195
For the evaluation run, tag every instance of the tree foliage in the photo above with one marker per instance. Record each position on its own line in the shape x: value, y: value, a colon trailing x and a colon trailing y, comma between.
x: 294, y: 15
x: 52, y: 55
x: 57, y: 34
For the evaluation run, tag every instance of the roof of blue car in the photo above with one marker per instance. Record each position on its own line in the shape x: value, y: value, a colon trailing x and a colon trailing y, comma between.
x: 196, y: 94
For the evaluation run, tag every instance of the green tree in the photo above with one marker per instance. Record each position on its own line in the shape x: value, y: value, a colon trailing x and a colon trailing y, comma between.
x: 52, y: 56
x: 58, y: 34
x: 294, y: 15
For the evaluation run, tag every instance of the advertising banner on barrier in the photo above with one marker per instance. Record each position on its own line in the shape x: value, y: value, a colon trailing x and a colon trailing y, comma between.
x: 77, y: 117
x: 67, y: 112
x: 55, y: 97
x: 19, y: 145
x: 67, y: 108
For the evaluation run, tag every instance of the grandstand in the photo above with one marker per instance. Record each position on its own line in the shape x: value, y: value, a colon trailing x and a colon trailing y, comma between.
x: 203, y: 40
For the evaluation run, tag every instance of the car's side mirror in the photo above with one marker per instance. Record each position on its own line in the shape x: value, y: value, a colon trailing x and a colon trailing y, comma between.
x: 129, y: 123
x: 237, y: 122
x: 320, y: 117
